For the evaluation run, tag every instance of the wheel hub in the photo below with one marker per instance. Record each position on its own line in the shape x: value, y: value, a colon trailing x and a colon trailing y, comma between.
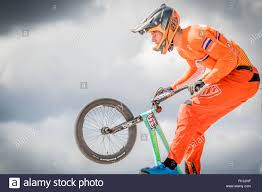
x: 105, y: 130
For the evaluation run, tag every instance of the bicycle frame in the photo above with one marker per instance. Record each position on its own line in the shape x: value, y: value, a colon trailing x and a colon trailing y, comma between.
x: 153, y: 127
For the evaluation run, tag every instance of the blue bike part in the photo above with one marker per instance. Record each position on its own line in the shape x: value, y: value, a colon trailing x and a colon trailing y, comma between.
x: 160, y: 169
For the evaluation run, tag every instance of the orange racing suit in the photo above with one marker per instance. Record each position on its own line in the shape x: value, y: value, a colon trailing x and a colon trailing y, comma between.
x: 232, y: 80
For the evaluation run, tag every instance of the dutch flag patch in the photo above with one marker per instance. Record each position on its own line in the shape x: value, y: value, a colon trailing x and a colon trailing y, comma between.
x: 206, y: 43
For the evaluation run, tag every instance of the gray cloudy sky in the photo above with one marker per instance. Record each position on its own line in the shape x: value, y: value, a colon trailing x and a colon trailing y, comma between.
x: 48, y: 47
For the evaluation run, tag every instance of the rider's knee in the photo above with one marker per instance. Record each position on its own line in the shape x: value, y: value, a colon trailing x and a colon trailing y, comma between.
x: 186, y: 111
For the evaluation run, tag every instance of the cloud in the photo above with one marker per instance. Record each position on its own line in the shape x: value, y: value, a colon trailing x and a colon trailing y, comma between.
x: 232, y: 148
x: 28, y: 14
x: 52, y: 61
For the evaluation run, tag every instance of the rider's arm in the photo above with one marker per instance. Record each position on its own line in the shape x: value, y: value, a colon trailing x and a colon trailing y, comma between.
x: 224, y: 54
x: 226, y: 62
x: 192, y: 73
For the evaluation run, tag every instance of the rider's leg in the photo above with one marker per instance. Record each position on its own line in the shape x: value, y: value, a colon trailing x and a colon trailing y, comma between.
x: 206, y: 108
x: 194, y: 151
x: 193, y: 154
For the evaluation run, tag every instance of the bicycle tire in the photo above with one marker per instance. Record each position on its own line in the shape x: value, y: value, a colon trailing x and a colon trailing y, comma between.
x: 86, y: 150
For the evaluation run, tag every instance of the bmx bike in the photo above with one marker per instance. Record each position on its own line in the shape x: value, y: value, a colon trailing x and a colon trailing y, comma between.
x: 106, y: 129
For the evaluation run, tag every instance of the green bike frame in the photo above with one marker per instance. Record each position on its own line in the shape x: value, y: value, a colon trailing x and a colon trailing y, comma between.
x: 153, y: 128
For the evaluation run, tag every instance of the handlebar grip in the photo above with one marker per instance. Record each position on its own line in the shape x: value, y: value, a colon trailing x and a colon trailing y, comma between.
x: 181, y: 89
x: 171, y: 94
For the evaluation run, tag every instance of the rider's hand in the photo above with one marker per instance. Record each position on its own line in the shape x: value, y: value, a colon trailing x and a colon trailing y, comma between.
x: 166, y: 89
x: 163, y: 90
x: 196, y: 86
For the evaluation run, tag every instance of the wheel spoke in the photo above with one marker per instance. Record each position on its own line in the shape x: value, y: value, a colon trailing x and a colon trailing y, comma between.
x: 116, y: 145
x: 115, y: 121
x: 103, y: 116
x: 92, y: 119
x: 97, y: 118
x: 92, y: 125
x: 119, y: 138
x: 106, y: 116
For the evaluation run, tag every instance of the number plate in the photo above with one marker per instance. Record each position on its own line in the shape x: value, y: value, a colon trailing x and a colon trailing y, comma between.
x: 151, y: 119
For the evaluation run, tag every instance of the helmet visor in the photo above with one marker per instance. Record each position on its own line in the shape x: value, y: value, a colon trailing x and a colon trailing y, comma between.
x: 153, y: 20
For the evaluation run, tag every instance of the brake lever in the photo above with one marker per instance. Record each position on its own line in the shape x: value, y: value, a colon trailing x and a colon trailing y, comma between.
x: 165, y: 95
x: 160, y: 95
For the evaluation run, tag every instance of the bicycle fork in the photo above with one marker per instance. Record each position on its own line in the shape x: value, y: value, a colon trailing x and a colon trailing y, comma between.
x: 153, y: 128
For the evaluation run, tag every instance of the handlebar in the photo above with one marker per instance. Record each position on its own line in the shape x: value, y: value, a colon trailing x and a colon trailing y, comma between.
x: 160, y: 97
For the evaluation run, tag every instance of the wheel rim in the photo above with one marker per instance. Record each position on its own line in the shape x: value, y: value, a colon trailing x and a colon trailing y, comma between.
x: 104, y: 116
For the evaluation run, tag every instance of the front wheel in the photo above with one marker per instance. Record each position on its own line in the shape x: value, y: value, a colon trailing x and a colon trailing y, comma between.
x: 90, y: 137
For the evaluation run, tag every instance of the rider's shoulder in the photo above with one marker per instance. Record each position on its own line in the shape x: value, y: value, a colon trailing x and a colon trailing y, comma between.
x: 197, y: 34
